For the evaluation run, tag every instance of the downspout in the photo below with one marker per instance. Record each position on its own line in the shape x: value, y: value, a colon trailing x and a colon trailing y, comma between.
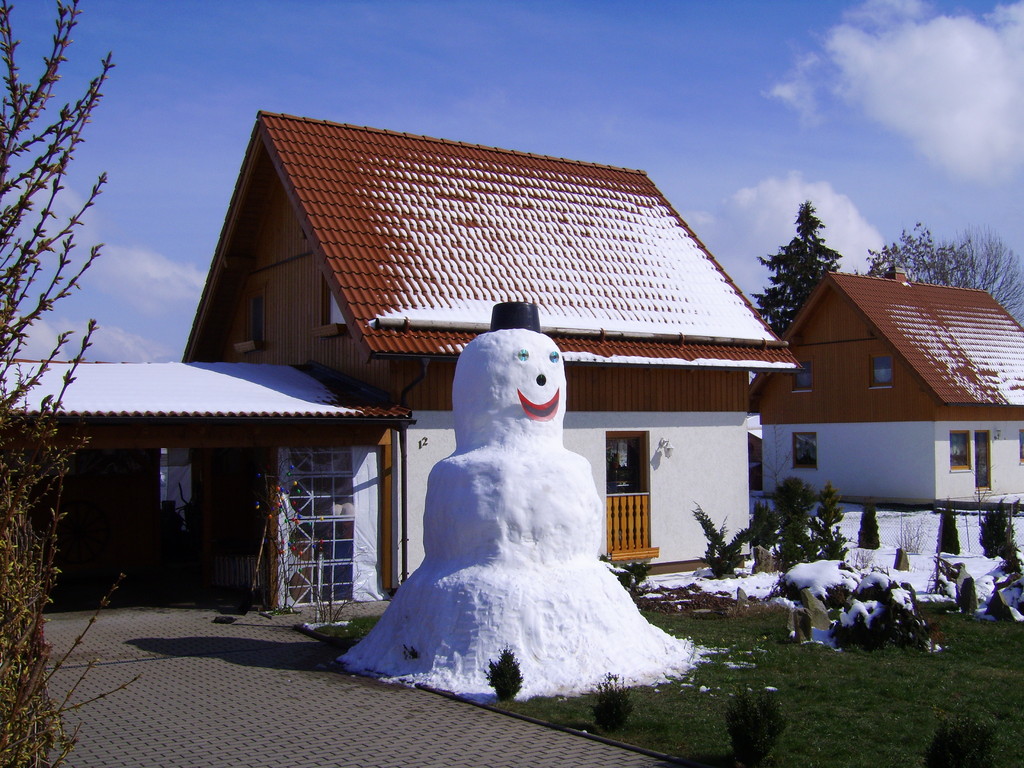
x: 403, y: 447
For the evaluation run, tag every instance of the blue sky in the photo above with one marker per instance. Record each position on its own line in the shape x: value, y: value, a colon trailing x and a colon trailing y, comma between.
x: 883, y: 113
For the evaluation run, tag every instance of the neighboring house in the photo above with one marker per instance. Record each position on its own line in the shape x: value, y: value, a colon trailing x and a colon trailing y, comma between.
x: 380, y: 255
x: 907, y: 392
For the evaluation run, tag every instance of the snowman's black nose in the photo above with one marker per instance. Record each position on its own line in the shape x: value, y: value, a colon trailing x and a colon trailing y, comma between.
x: 542, y: 379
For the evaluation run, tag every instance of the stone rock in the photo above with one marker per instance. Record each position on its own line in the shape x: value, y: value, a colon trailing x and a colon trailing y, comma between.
x: 967, y: 596
x: 741, y: 598
x: 998, y: 608
x: 902, y: 561
x: 800, y: 628
x: 764, y: 561
x: 816, y: 610
x: 962, y: 574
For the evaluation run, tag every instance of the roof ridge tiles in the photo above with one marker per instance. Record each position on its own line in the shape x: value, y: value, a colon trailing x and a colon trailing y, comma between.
x: 451, y: 142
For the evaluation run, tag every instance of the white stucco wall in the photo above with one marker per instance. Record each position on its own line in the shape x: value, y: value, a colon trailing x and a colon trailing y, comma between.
x: 1007, y: 472
x: 901, y: 460
x: 708, y: 466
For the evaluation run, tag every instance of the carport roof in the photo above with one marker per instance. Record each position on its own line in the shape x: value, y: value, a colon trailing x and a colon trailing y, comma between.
x: 209, y: 390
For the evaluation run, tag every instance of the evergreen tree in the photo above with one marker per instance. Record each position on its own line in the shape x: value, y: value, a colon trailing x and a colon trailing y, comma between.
x: 825, y: 535
x: 764, y: 526
x: 994, y: 526
x: 795, y: 270
x: 867, y: 536
x: 794, y: 499
x: 949, y: 538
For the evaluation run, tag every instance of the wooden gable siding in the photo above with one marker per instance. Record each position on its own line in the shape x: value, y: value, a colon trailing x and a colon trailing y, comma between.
x: 287, y: 273
x: 595, y: 388
x: 840, y: 346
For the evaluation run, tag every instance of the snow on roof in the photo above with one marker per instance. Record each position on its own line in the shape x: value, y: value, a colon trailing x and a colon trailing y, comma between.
x: 431, y: 230
x: 190, y: 390
x: 960, y: 341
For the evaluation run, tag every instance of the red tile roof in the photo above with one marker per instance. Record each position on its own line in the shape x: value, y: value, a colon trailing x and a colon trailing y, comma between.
x: 961, y: 342
x: 421, y: 232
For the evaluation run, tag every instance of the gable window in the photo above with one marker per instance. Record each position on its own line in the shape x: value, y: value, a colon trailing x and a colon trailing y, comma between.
x: 959, y: 450
x: 256, y: 318
x: 805, y: 450
x: 881, y: 370
x: 803, y: 380
x: 332, y: 321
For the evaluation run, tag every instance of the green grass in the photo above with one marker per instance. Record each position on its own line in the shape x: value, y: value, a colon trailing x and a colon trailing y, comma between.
x: 351, y: 632
x: 850, y: 708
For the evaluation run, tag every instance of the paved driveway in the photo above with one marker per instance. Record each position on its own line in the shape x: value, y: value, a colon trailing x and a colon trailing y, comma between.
x: 257, y: 693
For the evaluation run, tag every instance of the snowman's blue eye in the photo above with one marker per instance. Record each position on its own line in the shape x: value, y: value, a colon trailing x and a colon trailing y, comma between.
x: 523, y: 355
x: 553, y: 357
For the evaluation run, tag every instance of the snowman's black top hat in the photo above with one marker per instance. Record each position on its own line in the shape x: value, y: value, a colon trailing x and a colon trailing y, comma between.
x: 515, y: 314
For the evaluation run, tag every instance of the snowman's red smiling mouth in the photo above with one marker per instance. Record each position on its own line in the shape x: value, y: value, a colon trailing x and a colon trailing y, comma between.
x: 542, y: 412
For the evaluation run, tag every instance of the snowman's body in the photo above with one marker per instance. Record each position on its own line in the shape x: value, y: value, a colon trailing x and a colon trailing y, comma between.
x: 513, y: 527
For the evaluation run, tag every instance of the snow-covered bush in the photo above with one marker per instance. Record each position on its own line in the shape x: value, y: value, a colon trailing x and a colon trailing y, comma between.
x: 754, y: 724
x: 831, y: 581
x: 504, y: 675
x: 614, y: 705
x: 881, y: 613
x: 961, y: 742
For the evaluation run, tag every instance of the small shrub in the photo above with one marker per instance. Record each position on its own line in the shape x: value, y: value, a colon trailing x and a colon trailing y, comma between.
x: 826, y: 539
x: 911, y: 537
x: 961, y: 742
x: 764, y: 526
x: 950, y: 538
x: 613, y: 706
x: 867, y: 536
x: 504, y: 675
x: 632, y: 575
x: 754, y: 724
x: 722, y: 558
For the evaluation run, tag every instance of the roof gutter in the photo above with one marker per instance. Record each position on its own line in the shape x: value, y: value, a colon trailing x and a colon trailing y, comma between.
x: 405, y: 323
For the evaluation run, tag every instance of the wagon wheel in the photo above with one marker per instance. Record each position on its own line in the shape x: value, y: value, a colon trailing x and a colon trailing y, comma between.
x: 84, y: 533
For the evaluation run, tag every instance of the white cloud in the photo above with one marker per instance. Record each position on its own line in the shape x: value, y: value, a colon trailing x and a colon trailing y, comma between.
x: 952, y: 85
x: 799, y: 91
x: 756, y: 221
x: 147, y: 281
x: 109, y: 343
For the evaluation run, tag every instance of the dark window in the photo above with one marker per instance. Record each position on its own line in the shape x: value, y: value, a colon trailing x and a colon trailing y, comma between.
x: 803, y: 380
x: 625, y: 463
x: 959, y: 450
x: 256, y: 318
x: 805, y: 450
x: 881, y: 371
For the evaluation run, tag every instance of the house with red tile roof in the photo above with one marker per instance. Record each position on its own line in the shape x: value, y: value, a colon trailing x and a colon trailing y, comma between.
x: 379, y: 255
x: 906, y: 391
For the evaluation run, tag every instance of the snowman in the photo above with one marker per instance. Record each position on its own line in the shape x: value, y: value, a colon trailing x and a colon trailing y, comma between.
x: 513, y: 526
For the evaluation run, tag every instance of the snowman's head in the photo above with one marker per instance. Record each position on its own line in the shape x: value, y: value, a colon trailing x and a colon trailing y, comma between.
x: 509, y: 387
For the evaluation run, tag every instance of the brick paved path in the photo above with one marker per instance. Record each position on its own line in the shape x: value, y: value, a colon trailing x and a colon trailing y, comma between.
x: 257, y: 693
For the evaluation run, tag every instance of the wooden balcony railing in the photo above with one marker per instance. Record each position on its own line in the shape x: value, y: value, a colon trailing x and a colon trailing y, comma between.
x: 628, y: 523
